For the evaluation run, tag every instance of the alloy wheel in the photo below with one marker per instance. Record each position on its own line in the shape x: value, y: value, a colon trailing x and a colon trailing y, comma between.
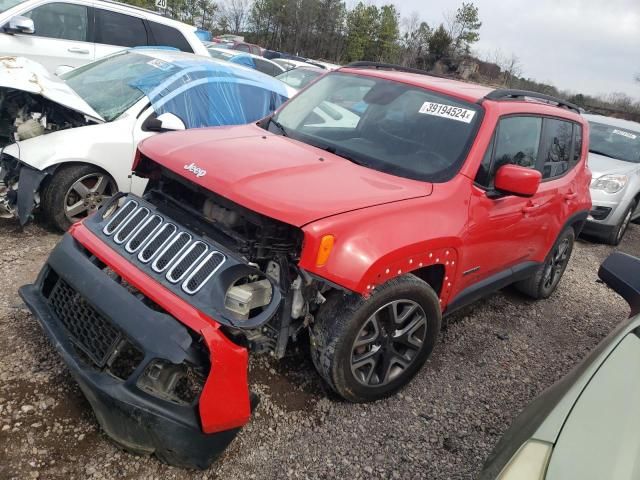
x: 624, y: 225
x: 87, y: 194
x: 555, y: 265
x: 388, y: 342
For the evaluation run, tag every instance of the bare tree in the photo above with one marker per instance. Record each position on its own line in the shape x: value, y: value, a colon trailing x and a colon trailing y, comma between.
x: 234, y: 14
x: 512, y: 69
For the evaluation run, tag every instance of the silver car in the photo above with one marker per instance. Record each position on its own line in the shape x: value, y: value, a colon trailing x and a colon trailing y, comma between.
x: 614, y: 160
x: 587, y: 425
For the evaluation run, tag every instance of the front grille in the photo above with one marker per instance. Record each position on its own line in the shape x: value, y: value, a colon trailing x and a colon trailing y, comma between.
x: 188, y: 259
x: 89, y: 331
x: 203, y: 272
x: 183, y: 258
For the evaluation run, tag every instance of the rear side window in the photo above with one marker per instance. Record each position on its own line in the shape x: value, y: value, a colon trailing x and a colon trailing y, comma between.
x: 242, y: 48
x: 556, y: 147
x: 118, y: 29
x: 65, y: 21
x: 577, y: 143
x: 166, y: 36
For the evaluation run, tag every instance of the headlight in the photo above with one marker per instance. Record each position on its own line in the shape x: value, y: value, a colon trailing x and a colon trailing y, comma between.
x: 529, y: 463
x: 610, y: 183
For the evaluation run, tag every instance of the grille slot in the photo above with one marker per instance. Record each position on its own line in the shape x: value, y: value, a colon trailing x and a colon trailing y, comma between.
x: 130, y: 225
x: 138, y: 229
x: 120, y: 216
x: 157, y: 242
x: 187, y: 260
x: 169, y: 253
x: 203, y: 272
x: 89, y: 331
x: 146, y: 230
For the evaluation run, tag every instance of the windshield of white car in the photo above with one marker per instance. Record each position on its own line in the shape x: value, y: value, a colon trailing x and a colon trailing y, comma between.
x: 7, y: 4
x: 106, y: 85
x: 220, y: 55
x: 299, y: 77
x: 385, y: 125
x: 614, y: 142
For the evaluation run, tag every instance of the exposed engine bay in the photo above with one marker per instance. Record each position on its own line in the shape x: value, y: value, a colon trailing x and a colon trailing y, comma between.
x: 25, y: 115
x: 271, y: 247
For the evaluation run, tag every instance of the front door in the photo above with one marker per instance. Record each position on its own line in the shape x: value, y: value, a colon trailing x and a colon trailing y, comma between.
x: 60, y: 39
x: 503, y: 230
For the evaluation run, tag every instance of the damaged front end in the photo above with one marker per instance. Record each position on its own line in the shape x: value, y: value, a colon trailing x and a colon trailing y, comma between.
x: 32, y: 103
x: 19, y: 188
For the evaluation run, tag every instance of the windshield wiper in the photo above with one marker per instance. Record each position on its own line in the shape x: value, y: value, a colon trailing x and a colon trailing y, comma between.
x: 280, y: 127
x: 597, y: 152
x: 346, y: 156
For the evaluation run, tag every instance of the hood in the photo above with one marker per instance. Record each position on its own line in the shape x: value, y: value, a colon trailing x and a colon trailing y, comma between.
x: 603, y: 165
x: 22, y: 74
x: 274, y: 175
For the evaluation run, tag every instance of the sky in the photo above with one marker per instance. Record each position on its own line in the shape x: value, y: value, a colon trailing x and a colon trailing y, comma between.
x: 588, y: 46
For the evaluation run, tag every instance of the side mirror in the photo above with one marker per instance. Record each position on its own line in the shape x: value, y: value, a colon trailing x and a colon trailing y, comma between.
x: 62, y: 69
x: 621, y: 272
x: 516, y: 180
x: 165, y: 122
x: 20, y: 24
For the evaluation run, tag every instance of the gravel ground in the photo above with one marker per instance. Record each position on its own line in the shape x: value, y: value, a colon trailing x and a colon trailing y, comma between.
x: 490, y: 362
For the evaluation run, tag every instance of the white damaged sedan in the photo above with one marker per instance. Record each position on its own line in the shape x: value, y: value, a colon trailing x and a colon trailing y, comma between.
x: 67, y: 144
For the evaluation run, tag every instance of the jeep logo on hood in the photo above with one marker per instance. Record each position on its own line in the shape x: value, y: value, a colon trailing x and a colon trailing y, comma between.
x: 196, y: 170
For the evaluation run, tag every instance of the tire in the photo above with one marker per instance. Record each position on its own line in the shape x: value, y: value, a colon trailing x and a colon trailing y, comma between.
x: 540, y: 285
x: 616, y: 235
x: 65, y: 189
x: 390, y: 352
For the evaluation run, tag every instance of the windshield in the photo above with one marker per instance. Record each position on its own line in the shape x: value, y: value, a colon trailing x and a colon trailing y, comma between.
x: 614, y: 142
x: 299, y: 77
x: 388, y: 126
x: 106, y: 85
x: 7, y: 4
x: 220, y: 55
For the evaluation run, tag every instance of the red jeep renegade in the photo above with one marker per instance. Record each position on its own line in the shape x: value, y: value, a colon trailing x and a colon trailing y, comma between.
x: 372, y: 203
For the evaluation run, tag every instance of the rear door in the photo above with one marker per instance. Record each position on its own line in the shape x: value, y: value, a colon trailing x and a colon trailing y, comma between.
x: 62, y: 36
x: 115, y: 31
x: 559, y: 189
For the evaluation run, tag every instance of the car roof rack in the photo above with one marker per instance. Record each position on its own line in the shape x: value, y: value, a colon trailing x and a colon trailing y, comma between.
x: 391, y: 66
x: 512, y: 94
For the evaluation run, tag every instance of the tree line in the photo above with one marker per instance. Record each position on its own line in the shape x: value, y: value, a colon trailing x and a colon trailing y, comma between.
x: 329, y: 30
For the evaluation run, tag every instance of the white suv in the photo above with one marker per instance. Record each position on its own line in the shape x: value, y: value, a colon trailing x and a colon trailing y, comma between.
x: 70, y: 33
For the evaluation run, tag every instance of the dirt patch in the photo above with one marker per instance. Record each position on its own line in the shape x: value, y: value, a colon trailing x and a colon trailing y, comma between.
x: 490, y: 362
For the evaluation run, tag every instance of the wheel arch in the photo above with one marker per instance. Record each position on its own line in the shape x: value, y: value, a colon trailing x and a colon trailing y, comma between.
x: 52, y: 169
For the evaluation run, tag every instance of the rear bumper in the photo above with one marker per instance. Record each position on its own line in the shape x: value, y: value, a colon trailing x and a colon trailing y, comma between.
x: 181, y: 433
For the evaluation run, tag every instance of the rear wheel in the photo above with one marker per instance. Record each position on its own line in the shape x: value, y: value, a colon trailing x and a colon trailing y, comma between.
x: 615, y: 237
x: 368, y: 348
x: 544, y: 282
x: 74, y: 192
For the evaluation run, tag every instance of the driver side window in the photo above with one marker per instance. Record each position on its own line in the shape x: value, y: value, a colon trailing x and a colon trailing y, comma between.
x: 65, y: 21
x: 516, y: 143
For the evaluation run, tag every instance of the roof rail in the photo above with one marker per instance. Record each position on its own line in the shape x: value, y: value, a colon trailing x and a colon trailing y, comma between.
x: 512, y: 94
x: 391, y: 66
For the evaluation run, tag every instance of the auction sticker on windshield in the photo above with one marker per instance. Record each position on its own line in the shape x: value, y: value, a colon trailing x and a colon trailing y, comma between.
x: 625, y: 134
x: 447, y: 111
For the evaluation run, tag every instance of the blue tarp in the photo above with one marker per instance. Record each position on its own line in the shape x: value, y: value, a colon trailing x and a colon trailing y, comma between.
x: 204, y: 92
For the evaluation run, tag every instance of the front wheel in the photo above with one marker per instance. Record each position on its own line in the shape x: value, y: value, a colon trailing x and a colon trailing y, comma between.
x: 74, y: 192
x: 368, y: 348
x: 544, y: 282
x: 621, y: 228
